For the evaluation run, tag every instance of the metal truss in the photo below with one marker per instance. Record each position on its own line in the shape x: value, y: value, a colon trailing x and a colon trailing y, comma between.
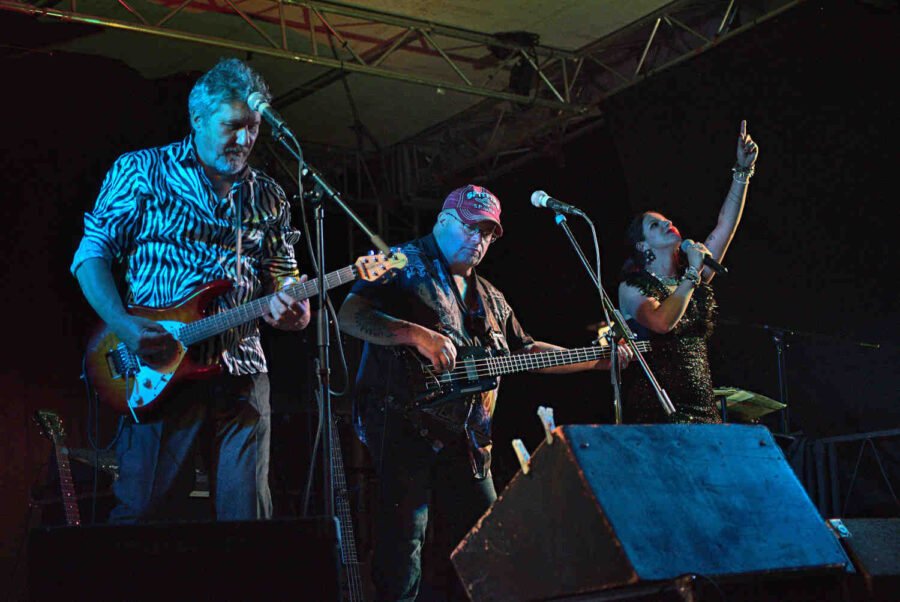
x: 359, y: 40
x: 535, y: 98
x: 493, y: 138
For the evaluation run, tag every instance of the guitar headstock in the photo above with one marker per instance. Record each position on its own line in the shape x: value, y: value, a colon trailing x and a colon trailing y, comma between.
x: 50, y: 425
x: 373, y: 267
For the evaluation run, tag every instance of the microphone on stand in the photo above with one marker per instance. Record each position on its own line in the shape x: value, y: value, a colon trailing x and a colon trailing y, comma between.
x: 539, y: 198
x: 257, y: 102
x: 708, y: 261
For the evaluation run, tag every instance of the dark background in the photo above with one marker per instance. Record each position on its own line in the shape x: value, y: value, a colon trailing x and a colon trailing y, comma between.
x: 815, y: 252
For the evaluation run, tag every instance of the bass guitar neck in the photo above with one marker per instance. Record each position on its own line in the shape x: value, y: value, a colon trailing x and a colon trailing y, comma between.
x: 352, y: 582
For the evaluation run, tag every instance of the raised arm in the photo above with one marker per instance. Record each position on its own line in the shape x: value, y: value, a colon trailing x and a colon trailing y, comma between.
x: 360, y: 318
x: 730, y: 215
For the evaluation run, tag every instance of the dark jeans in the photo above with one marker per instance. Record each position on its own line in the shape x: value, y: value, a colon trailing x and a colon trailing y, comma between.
x: 229, y: 418
x: 418, y: 484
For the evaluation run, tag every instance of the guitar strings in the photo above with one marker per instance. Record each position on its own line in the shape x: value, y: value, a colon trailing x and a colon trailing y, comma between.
x: 208, y: 326
x: 484, y: 367
x: 524, y: 360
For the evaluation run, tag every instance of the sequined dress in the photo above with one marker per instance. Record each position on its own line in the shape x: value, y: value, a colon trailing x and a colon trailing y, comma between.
x: 679, y: 360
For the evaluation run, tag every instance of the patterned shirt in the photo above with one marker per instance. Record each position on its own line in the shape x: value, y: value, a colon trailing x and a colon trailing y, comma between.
x: 423, y: 293
x: 158, y: 212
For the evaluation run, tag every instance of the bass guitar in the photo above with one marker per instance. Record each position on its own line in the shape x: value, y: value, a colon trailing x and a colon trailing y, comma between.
x: 434, y: 397
x: 123, y: 381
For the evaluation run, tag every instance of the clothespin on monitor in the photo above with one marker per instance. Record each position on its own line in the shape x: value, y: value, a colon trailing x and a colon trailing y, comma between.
x: 546, y: 416
x: 522, y: 454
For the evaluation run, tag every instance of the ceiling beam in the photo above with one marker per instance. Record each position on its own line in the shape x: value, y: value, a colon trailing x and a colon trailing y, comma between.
x: 141, y: 25
x: 469, y: 35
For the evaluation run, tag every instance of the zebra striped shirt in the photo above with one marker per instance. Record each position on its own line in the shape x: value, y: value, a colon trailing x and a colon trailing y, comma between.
x: 158, y: 211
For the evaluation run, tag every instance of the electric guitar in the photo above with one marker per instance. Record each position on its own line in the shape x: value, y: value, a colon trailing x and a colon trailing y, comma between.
x: 123, y: 381
x: 51, y: 427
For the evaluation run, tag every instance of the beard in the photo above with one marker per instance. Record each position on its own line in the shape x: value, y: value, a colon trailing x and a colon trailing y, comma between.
x: 232, y: 161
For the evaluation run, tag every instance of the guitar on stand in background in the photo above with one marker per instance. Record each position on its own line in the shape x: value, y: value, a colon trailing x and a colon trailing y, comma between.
x: 352, y: 588
x: 51, y: 427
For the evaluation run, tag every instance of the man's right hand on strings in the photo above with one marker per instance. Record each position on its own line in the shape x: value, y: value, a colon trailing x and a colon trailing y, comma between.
x: 437, y: 348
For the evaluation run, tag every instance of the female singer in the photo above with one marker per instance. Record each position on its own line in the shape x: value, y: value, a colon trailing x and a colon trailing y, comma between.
x: 667, y: 297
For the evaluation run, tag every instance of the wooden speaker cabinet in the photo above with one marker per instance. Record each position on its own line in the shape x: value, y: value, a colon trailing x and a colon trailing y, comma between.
x: 606, y: 507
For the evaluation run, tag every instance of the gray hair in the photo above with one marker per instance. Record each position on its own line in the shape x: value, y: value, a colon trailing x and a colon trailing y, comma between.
x: 231, y: 79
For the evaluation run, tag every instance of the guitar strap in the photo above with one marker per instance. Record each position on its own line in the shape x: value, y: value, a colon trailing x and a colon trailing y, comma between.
x: 470, y: 316
x: 237, y: 200
x: 487, y: 335
x: 494, y: 331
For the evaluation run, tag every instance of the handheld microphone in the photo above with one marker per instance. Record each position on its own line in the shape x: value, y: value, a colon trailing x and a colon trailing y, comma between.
x: 539, y: 198
x: 257, y: 102
x: 708, y: 261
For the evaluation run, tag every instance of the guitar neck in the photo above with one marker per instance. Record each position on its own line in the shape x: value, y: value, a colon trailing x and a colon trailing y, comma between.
x: 202, y: 329
x: 67, y: 488
x: 523, y: 362
x: 342, y: 508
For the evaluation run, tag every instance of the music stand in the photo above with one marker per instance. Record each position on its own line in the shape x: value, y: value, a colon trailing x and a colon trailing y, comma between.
x: 748, y: 405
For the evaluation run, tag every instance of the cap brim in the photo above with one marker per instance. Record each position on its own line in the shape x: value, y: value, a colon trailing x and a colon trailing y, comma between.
x: 499, y: 230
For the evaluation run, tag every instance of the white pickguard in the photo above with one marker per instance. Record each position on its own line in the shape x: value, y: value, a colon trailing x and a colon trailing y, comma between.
x: 149, y: 382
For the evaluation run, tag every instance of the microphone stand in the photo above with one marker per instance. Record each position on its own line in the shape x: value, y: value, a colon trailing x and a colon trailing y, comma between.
x: 323, y: 369
x: 618, y: 329
x: 781, y: 339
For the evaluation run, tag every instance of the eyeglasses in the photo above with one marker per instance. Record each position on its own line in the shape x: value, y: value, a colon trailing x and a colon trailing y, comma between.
x: 491, y: 234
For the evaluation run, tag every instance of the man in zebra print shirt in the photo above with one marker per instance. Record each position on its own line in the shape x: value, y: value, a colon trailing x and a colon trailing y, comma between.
x: 180, y: 216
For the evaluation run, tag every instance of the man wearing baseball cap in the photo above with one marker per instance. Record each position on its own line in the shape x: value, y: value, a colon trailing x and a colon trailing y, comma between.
x: 432, y: 468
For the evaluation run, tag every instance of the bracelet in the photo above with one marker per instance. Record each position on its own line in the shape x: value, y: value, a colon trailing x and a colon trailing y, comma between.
x: 692, y: 275
x: 742, y: 174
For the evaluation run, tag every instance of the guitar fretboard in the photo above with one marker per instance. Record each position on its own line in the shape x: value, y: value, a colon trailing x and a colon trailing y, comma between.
x: 523, y: 362
x: 202, y: 329
x: 342, y: 507
x: 69, y: 499
x: 510, y: 364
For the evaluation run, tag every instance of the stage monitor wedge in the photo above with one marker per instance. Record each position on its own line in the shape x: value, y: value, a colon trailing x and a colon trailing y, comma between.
x: 611, y: 506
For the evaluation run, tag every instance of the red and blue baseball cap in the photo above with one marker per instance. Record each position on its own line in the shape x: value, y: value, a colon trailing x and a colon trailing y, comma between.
x: 475, y: 204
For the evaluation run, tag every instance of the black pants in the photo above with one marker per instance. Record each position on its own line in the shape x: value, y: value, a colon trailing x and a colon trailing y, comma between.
x: 418, y: 484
